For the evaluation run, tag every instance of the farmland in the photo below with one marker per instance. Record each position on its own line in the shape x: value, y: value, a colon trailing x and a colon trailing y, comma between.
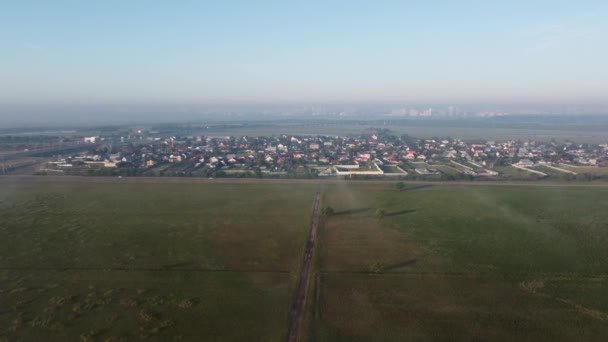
x: 465, y: 129
x: 187, y: 259
x: 157, y: 261
x: 462, y: 263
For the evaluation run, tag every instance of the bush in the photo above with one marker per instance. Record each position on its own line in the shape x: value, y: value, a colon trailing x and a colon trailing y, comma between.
x: 328, y: 211
x: 376, y: 267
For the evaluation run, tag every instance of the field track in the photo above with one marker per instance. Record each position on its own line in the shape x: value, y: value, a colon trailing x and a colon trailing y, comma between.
x: 193, y: 180
x: 296, y: 315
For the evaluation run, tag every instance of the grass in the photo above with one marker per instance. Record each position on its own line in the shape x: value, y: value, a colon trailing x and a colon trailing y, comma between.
x: 138, y: 305
x: 405, y: 308
x: 143, y: 225
x: 419, y: 164
x: 514, y: 173
x: 420, y: 130
x: 393, y: 170
x: 470, y: 165
x: 464, y: 263
x: 157, y: 261
x: 447, y: 169
x: 157, y: 170
x: 549, y: 171
x: 21, y: 166
x: 121, y: 260
x: 593, y: 170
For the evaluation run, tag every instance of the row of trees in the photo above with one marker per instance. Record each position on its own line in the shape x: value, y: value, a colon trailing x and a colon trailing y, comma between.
x: 329, y: 211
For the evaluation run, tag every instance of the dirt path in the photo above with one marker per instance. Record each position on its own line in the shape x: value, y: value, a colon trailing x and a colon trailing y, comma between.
x: 15, y: 179
x: 296, y: 315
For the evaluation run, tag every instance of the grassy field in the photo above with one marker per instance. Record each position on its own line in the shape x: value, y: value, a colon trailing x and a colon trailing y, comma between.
x: 447, y: 168
x: 420, y: 131
x: 21, y: 166
x: 463, y: 263
x: 393, y: 169
x: 127, y: 261
x: 549, y: 171
x: 514, y: 173
x: 108, y: 259
x: 593, y: 170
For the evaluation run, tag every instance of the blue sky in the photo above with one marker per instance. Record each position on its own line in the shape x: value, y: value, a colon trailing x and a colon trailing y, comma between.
x: 303, y: 51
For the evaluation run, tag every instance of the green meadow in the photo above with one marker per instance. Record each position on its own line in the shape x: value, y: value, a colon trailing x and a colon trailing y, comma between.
x: 453, y: 262
x: 122, y: 260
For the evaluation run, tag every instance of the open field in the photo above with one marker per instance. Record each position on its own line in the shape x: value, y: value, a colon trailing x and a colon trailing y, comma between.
x: 510, y: 172
x: 549, y: 171
x: 170, y: 258
x: 104, y: 305
x: 160, y: 261
x: 394, y: 170
x: 462, y: 263
x: 447, y: 169
x: 592, y: 170
x: 21, y: 166
x: 414, y: 128
x: 10, y: 182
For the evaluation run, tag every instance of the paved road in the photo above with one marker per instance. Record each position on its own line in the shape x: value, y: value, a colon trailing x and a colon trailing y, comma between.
x: 296, y: 315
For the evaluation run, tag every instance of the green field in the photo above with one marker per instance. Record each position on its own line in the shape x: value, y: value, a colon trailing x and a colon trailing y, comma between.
x: 549, y: 171
x: 446, y: 168
x: 463, y: 263
x: 419, y: 129
x: 592, y: 170
x: 513, y: 173
x: 393, y: 169
x: 158, y: 261
x: 168, y: 259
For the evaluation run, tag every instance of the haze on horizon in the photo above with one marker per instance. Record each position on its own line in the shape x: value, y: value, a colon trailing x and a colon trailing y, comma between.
x: 197, y: 52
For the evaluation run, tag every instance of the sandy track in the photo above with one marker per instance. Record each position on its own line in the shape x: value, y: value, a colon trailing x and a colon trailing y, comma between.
x: 296, y: 315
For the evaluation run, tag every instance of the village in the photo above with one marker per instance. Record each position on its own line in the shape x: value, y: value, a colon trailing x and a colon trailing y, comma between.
x: 376, y: 153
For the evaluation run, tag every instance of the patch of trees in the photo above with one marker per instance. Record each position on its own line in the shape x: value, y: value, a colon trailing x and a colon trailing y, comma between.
x: 328, y: 211
x: 376, y: 267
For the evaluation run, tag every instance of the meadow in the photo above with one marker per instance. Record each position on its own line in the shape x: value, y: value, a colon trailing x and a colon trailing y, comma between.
x: 454, y: 262
x: 174, y: 259
x: 470, y: 130
x: 125, y: 261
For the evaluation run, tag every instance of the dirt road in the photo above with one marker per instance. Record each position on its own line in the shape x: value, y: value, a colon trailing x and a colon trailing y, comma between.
x: 296, y: 315
x: 15, y: 179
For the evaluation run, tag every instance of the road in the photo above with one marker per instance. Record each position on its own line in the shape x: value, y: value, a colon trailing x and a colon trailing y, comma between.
x: 195, y: 180
x: 46, y: 151
x: 296, y: 315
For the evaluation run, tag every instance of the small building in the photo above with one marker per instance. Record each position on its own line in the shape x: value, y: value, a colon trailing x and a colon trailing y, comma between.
x: 525, y: 163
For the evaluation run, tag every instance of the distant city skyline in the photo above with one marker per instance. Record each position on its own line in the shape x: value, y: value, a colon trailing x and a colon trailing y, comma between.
x: 138, y: 53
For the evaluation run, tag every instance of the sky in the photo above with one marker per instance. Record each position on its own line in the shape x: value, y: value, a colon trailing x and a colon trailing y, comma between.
x: 196, y: 52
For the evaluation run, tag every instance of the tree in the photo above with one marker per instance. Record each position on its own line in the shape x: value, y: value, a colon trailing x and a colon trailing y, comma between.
x: 376, y: 267
x: 400, y: 186
x: 328, y: 211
